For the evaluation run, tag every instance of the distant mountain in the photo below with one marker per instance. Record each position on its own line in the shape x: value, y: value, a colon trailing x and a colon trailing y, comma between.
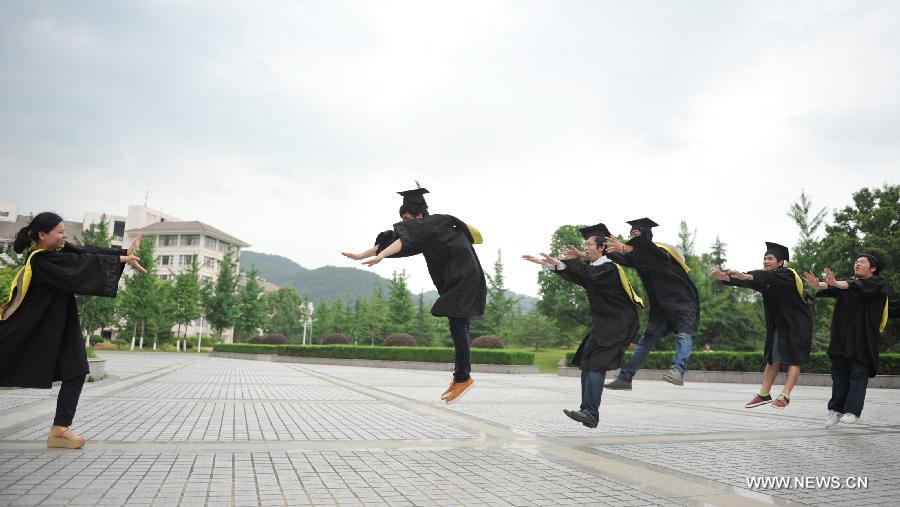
x: 331, y: 282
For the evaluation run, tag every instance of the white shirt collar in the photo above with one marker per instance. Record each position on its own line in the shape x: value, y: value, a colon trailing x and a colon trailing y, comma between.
x: 601, y: 261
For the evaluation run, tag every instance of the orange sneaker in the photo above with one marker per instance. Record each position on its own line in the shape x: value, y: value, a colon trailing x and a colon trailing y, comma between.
x: 449, y: 388
x: 457, y: 389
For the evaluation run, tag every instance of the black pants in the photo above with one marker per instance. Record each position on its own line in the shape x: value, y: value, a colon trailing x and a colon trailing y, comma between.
x: 67, y: 401
x: 849, y: 379
x: 459, y: 331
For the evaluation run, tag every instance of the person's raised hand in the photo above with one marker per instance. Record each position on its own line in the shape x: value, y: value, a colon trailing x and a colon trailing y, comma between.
x: 351, y: 255
x: 719, y: 275
x: 133, y: 261
x: 811, y: 279
x: 531, y: 258
x: 553, y: 261
x: 829, y: 277
x: 570, y: 252
x: 135, y: 244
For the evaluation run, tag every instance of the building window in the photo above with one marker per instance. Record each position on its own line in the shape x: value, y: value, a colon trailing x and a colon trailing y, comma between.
x: 210, y: 243
x: 185, y: 260
x: 165, y: 260
x: 118, y: 230
x: 163, y: 277
x: 4, y: 213
x: 168, y: 239
x: 210, y: 262
x: 190, y: 239
x: 223, y: 246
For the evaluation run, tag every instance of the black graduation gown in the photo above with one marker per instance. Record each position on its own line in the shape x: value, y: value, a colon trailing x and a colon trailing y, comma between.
x: 42, y: 340
x: 674, y: 302
x: 857, y: 318
x: 614, y: 316
x: 786, y: 312
x: 446, y: 243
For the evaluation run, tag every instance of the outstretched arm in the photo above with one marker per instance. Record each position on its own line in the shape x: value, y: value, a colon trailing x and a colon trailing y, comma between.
x: 363, y: 255
x: 393, y: 248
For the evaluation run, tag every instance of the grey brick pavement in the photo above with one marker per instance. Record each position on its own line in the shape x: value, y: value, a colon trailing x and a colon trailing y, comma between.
x: 183, y: 429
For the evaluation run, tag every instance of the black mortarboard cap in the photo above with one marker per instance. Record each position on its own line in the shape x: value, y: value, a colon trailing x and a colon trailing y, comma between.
x: 779, y: 251
x: 642, y: 223
x: 595, y: 230
x: 415, y: 198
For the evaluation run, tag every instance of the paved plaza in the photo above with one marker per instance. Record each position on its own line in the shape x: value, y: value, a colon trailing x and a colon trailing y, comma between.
x: 187, y: 429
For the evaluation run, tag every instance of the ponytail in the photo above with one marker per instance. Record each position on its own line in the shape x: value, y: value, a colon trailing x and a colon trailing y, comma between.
x: 42, y: 222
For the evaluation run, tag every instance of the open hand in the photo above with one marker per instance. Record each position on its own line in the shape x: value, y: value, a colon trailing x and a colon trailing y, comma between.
x: 738, y: 275
x: 531, y: 258
x: 373, y: 261
x: 135, y: 244
x: 551, y: 261
x: 356, y: 257
x: 811, y: 279
x: 829, y: 277
x: 719, y: 275
x: 571, y: 253
x: 133, y: 261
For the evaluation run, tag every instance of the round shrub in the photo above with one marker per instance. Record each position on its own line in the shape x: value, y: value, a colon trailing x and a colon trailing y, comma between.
x: 400, y: 340
x: 119, y: 341
x: 487, y: 342
x: 335, y: 339
x: 268, y: 339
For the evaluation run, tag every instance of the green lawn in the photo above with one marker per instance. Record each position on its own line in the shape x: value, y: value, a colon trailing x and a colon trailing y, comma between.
x: 546, y: 359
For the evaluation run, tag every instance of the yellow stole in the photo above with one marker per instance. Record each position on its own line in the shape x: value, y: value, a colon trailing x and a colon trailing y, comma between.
x: 884, y: 316
x: 476, y: 235
x: 798, y: 282
x: 22, y: 281
x: 626, y: 284
x: 675, y: 256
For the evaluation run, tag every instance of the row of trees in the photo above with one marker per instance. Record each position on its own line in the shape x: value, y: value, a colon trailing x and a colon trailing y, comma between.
x: 161, y: 310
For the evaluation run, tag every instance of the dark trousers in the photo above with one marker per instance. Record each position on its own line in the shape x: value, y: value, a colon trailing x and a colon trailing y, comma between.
x: 592, y: 391
x: 849, y: 379
x: 459, y: 331
x: 67, y: 401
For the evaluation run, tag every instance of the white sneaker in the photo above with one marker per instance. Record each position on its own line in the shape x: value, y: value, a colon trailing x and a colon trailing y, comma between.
x: 833, y: 418
x: 849, y: 419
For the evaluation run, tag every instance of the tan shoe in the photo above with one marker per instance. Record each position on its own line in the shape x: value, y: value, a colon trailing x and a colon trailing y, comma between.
x: 457, y: 390
x: 63, y: 438
x: 449, y: 388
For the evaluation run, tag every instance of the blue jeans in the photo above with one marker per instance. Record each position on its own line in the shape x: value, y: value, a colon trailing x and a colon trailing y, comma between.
x: 645, y: 345
x: 591, y: 392
x: 459, y: 331
x: 849, y: 379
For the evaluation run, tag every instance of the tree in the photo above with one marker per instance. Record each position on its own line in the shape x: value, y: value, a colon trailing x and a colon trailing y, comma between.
x: 400, y: 309
x: 686, y: 239
x: 163, y: 317
x: 870, y: 224
x: 222, y: 305
x: 187, y: 297
x: 95, y: 312
x: 251, y: 308
x: 536, y: 331
x: 500, y: 307
x: 563, y: 303
x: 374, y: 316
x: 420, y: 327
x: 805, y: 257
x: 286, y: 312
x: 138, y: 297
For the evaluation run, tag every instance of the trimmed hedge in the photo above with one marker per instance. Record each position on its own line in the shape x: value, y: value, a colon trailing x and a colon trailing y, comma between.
x: 267, y: 339
x: 819, y: 362
x: 400, y: 340
x: 418, y: 354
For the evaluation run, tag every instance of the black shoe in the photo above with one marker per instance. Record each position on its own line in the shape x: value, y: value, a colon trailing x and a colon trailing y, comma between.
x: 582, y: 417
x: 619, y: 385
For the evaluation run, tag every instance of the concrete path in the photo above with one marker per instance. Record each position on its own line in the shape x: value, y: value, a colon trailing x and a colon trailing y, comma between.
x: 186, y: 429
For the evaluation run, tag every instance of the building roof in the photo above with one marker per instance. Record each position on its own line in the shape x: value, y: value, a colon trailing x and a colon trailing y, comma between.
x: 189, y: 227
x: 8, y: 230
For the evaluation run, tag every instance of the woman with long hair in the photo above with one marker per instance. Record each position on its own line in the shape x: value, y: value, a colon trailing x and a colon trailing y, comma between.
x: 40, y: 336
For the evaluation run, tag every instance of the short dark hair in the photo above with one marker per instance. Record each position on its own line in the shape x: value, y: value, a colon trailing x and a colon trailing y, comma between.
x: 414, y: 210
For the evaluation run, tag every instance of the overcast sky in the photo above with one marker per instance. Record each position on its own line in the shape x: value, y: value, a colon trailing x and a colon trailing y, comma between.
x: 291, y: 124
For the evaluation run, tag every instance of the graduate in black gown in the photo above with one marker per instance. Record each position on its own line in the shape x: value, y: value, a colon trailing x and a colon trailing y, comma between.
x: 614, y: 316
x: 40, y: 336
x: 860, y: 314
x: 446, y: 242
x: 674, y: 302
x: 788, y: 320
